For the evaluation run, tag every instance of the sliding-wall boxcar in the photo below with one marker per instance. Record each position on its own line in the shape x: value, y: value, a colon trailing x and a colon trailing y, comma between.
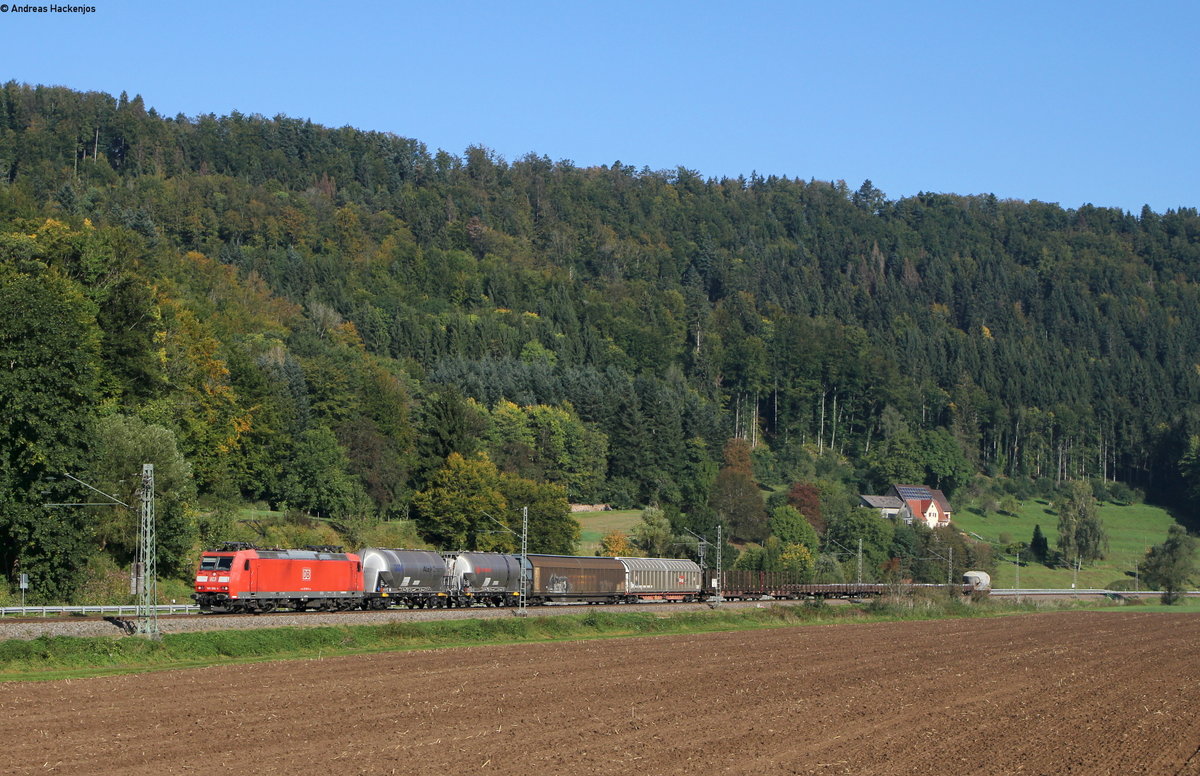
x: 661, y: 579
x: 567, y: 578
x: 575, y: 578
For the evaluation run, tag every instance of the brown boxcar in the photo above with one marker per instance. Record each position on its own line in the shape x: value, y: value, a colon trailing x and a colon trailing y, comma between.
x: 572, y: 578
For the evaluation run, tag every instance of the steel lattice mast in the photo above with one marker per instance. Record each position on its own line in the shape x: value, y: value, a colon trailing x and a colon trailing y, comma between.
x: 147, y: 560
x: 524, y: 560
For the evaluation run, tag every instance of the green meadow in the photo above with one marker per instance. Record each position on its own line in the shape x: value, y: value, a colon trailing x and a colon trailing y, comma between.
x: 594, y: 525
x: 1132, y: 529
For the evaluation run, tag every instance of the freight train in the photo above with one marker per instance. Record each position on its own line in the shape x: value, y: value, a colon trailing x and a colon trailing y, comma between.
x: 244, y: 578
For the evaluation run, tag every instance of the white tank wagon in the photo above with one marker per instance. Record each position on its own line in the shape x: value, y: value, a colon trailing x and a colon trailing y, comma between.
x: 978, y: 580
x: 662, y: 579
x: 414, y: 578
x: 488, y: 578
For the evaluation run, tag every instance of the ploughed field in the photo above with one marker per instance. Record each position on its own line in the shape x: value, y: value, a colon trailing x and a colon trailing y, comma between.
x: 1080, y: 692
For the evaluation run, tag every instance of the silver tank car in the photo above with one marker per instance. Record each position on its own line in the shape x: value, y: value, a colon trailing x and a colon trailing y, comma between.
x: 980, y: 580
x: 486, y: 577
x: 416, y: 578
x: 667, y: 579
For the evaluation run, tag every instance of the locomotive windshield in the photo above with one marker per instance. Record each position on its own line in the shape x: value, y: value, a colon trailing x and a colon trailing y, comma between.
x: 216, y: 563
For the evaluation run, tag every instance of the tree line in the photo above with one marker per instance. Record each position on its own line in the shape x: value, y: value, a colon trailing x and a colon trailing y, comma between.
x: 318, y: 319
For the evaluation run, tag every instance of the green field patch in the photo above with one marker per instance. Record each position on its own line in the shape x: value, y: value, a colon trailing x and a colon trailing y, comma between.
x: 1152, y: 603
x: 1132, y: 529
x: 594, y: 525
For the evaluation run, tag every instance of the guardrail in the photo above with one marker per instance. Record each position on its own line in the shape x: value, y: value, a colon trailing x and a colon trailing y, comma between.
x: 130, y: 610
x: 1067, y: 591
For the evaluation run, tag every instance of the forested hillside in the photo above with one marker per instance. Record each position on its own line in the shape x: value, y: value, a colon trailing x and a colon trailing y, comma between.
x: 319, y: 319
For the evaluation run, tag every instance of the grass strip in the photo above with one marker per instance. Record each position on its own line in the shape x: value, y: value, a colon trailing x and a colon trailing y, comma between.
x: 63, y: 657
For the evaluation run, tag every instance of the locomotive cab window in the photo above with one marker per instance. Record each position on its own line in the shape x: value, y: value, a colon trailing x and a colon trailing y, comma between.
x: 216, y: 563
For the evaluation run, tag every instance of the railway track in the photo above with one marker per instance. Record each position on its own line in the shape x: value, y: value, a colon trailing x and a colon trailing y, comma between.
x: 29, y: 627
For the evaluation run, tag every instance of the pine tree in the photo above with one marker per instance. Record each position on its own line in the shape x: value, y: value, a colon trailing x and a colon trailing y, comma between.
x: 1039, y: 547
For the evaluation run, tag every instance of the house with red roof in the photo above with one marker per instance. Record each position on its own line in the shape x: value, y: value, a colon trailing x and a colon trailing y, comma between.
x: 912, y: 503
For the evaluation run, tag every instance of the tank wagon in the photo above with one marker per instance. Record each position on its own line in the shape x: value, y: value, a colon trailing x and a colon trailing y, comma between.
x: 979, y: 580
x: 487, y: 578
x: 412, y: 578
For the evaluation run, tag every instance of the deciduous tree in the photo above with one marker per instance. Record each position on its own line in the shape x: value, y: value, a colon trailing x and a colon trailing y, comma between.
x: 552, y: 527
x: 1171, y: 565
x: 1081, y: 534
x: 451, y: 511
x: 806, y: 498
x: 616, y: 544
x: 653, y: 534
x: 123, y: 444
x: 790, y: 526
x: 48, y: 374
x: 736, y: 497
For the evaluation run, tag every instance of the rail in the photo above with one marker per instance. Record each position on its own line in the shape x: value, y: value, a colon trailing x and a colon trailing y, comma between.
x: 130, y: 610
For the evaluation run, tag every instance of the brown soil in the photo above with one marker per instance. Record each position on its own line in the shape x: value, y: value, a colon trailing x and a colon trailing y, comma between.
x: 1086, y: 693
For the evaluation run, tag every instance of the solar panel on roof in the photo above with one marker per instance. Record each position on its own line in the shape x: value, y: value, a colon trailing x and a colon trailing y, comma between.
x: 907, y: 493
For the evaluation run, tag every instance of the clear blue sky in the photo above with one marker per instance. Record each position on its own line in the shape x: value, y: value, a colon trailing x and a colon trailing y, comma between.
x: 1068, y: 102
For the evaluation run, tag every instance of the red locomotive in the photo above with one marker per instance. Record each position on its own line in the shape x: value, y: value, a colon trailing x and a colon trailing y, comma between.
x: 244, y: 579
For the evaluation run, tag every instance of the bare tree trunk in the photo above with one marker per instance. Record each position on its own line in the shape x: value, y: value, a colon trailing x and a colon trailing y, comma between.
x: 754, y: 423
x: 1016, y: 446
x: 821, y: 427
x: 833, y: 431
